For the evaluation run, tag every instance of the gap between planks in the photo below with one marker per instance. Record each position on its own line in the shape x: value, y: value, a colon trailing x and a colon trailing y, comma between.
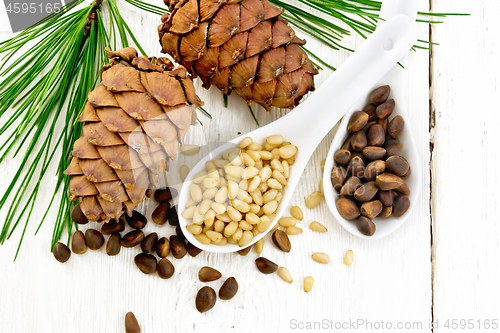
x: 432, y: 121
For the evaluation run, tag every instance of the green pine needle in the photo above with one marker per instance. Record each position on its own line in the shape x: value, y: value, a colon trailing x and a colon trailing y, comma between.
x: 66, y: 58
x: 65, y: 62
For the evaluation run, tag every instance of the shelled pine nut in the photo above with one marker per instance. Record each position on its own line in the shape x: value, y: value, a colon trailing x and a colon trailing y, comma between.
x: 235, y: 197
x: 308, y: 283
x: 318, y: 227
x: 285, y: 274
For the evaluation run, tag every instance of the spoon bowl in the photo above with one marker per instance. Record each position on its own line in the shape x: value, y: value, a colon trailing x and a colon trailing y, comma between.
x: 307, y: 125
x: 395, y: 79
x: 385, y: 226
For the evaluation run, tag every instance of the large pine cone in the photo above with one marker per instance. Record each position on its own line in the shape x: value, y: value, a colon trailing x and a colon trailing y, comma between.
x: 134, y: 122
x: 238, y: 45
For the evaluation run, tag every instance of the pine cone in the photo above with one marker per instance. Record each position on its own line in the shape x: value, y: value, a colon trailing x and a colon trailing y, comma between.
x: 237, y: 45
x: 134, y: 122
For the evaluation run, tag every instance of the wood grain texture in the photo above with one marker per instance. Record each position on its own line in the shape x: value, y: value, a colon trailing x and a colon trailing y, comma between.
x: 390, y: 278
x: 465, y: 74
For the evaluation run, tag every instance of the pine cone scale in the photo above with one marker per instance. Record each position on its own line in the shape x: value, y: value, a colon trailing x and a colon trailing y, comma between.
x: 128, y: 135
x: 240, y: 46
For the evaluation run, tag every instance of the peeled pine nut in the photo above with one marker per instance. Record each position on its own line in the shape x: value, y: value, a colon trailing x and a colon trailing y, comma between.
x: 221, y: 195
x: 287, y: 152
x: 250, y: 172
x: 265, y: 155
x: 284, y: 274
x: 321, y: 258
x: 184, y: 171
x: 273, y: 183
x: 254, y: 146
x: 214, y: 236
x: 241, y: 206
x: 237, y: 234
x: 196, y: 193
x: 279, y: 177
x: 259, y: 246
x: 265, y: 174
x: 194, y: 229
x: 209, y: 218
x: 247, y: 160
x: 205, y: 206
x: 254, y: 155
x: 223, y: 241
x: 230, y: 229
x: 233, y: 171
x: 286, y: 169
x: 210, y: 193
x: 246, y: 238
x: 218, y: 226
x: 348, y: 258
x: 276, y: 154
x: 190, y: 203
x: 293, y: 231
x: 321, y: 187
x: 270, y: 207
x: 224, y: 217
x: 308, y: 283
x: 189, y: 212
x: 287, y: 221
x: 313, y: 199
x: 245, y: 225
x: 322, y: 164
x: 254, y: 184
x: 276, y: 139
x: 189, y: 149
x: 234, y: 214
x: 218, y: 208
x: 297, y: 213
x: 245, y: 142
x: 254, y: 208
x: 232, y: 190
x: 318, y: 227
x: 235, y: 198
x: 198, y: 217
x: 269, y: 195
x: 203, y: 239
x: 276, y: 165
x: 263, y: 187
x: 198, y: 178
x: 257, y: 197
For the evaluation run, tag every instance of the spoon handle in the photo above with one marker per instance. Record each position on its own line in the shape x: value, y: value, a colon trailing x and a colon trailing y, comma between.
x: 308, y: 124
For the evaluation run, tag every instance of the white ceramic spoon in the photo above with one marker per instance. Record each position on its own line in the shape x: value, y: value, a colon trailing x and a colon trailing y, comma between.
x: 395, y: 79
x: 307, y: 125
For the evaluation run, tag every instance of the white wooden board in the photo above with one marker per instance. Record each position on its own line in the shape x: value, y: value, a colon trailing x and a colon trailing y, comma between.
x: 391, y: 279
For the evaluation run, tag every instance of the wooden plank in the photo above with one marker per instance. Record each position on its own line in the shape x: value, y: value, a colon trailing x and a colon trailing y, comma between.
x: 390, y: 279
x: 464, y: 177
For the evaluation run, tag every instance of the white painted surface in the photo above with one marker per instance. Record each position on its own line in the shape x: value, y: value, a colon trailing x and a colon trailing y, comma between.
x: 391, y: 278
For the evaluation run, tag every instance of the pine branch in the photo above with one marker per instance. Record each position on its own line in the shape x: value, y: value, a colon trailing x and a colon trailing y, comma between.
x: 67, y: 56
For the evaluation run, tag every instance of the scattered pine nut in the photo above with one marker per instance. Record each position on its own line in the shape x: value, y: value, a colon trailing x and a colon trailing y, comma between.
x: 259, y: 246
x: 321, y: 258
x: 285, y: 274
x: 184, y: 171
x: 297, y: 213
x: 348, y: 258
x: 313, y: 199
x: 308, y: 283
x: 318, y: 227
x: 293, y: 231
